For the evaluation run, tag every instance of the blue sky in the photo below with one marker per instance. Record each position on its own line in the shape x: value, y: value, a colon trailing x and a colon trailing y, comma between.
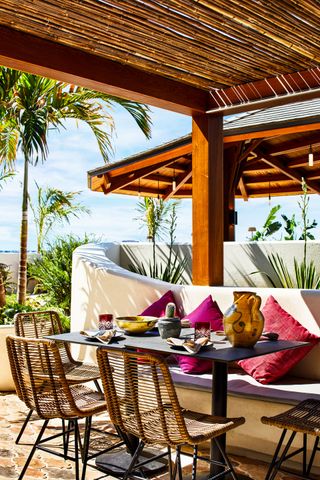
x: 73, y: 152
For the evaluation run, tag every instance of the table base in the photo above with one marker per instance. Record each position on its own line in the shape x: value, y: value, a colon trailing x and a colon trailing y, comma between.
x: 117, y: 463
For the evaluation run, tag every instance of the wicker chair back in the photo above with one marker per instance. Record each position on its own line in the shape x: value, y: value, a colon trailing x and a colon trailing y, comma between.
x: 141, y: 397
x: 39, y: 375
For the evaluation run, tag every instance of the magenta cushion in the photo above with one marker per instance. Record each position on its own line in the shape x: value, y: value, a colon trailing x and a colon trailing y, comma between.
x: 207, y: 311
x: 269, y: 368
x: 158, y: 308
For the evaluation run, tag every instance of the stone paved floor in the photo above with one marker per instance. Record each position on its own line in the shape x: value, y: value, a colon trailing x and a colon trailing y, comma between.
x: 49, y: 467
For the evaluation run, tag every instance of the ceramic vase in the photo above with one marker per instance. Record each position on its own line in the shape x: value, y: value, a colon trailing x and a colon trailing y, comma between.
x: 243, y: 322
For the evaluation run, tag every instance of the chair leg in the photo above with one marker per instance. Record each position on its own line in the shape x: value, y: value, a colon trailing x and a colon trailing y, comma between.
x: 24, y: 426
x: 23, y: 471
x: 314, y: 450
x: 177, y: 467
x: 226, y: 461
x: 134, y: 460
x: 171, y: 477
x: 194, y: 462
x: 276, y: 463
x: 98, y: 386
x: 304, y: 455
x: 85, y: 449
x: 76, y: 448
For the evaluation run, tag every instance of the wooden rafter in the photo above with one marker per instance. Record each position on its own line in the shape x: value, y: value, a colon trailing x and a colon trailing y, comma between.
x: 180, y: 181
x: 121, y: 181
x: 280, y: 165
x: 243, y: 190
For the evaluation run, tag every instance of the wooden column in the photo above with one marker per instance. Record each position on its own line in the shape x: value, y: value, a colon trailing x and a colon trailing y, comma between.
x: 207, y: 200
x: 230, y: 166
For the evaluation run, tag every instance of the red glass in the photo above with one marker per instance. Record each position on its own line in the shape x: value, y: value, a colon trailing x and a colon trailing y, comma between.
x: 105, y: 321
x: 202, y: 329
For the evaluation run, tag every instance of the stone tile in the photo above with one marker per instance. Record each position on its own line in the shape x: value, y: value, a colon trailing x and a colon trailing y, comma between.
x: 48, y: 467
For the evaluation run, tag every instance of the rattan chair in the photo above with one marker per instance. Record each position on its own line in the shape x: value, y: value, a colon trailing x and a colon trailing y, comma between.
x: 142, y: 401
x: 39, y: 376
x: 303, y: 418
x: 39, y: 324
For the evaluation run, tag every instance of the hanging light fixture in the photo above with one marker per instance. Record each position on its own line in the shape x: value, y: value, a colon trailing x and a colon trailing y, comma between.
x: 310, y: 157
x: 174, y: 183
x: 269, y: 196
x: 158, y: 188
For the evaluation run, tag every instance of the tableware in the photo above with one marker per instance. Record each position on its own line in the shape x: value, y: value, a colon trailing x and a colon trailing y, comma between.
x: 103, y: 336
x: 105, y: 321
x: 192, y: 346
x: 135, y: 324
x: 202, y: 329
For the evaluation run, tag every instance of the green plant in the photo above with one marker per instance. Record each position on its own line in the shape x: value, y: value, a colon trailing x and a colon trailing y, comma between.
x: 33, y: 303
x: 161, y: 220
x: 290, y: 226
x: 53, y: 206
x: 305, y: 274
x: 30, y: 106
x: 270, y: 226
x: 53, y: 270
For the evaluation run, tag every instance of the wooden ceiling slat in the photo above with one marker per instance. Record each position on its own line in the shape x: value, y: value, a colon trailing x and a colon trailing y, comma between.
x: 204, y: 43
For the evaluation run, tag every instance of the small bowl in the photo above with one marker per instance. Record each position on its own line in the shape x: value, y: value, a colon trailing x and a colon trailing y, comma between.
x: 133, y: 325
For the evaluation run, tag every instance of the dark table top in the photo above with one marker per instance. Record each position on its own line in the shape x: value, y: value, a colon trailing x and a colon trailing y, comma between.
x: 221, y: 351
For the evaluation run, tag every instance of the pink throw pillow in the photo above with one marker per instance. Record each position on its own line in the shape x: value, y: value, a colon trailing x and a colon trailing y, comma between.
x: 269, y: 368
x: 207, y: 311
x: 158, y: 308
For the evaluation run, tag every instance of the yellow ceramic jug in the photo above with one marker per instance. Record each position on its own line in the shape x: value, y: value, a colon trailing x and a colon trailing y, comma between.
x: 243, y: 322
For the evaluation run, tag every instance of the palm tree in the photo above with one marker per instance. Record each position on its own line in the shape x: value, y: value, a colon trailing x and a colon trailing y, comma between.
x: 53, y: 206
x: 154, y: 214
x: 29, y: 107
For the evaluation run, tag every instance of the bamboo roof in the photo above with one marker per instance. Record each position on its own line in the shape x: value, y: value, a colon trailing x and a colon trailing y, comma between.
x: 270, y: 148
x: 227, y: 48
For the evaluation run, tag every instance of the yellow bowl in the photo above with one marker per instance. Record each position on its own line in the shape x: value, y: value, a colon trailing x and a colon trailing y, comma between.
x: 136, y: 324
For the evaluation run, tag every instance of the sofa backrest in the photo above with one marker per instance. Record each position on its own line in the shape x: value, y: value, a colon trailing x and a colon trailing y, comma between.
x: 303, y: 305
x: 101, y: 286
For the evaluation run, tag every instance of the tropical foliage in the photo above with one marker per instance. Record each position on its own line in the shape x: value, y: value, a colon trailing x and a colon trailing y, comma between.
x: 29, y: 107
x: 270, y: 226
x: 53, y: 270
x: 8, y: 311
x: 160, y: 218
x: 51, y: 207
x: 304, y: 273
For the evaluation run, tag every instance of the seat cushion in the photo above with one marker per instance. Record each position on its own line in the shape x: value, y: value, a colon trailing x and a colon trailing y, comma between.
x: 158, y: 308
x: 269, y: 368
x: 207, y: 311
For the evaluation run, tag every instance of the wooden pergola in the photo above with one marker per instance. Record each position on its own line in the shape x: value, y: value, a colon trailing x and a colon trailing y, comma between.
x: 266, y: 154
x: 205, y: 58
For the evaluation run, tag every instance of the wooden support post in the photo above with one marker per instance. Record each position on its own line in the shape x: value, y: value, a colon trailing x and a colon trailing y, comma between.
x: 207, y: 200
x: 229, y: 166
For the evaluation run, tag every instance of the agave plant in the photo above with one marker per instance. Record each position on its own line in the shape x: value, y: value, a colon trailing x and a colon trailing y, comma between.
x: 305, y: 274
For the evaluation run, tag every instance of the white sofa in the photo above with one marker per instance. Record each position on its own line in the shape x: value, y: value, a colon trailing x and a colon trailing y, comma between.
x: 100, y: 285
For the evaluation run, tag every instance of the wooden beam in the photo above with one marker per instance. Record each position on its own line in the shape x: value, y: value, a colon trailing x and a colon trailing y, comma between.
x: 33, y: 54
x: 99, y: 183
x: 230, y: 137
x: 207, y: 200
x: 277, y: 163
x: 120, y: 181
x: 250, y: 148
x: 243, y: 190
x: 180, y: 181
